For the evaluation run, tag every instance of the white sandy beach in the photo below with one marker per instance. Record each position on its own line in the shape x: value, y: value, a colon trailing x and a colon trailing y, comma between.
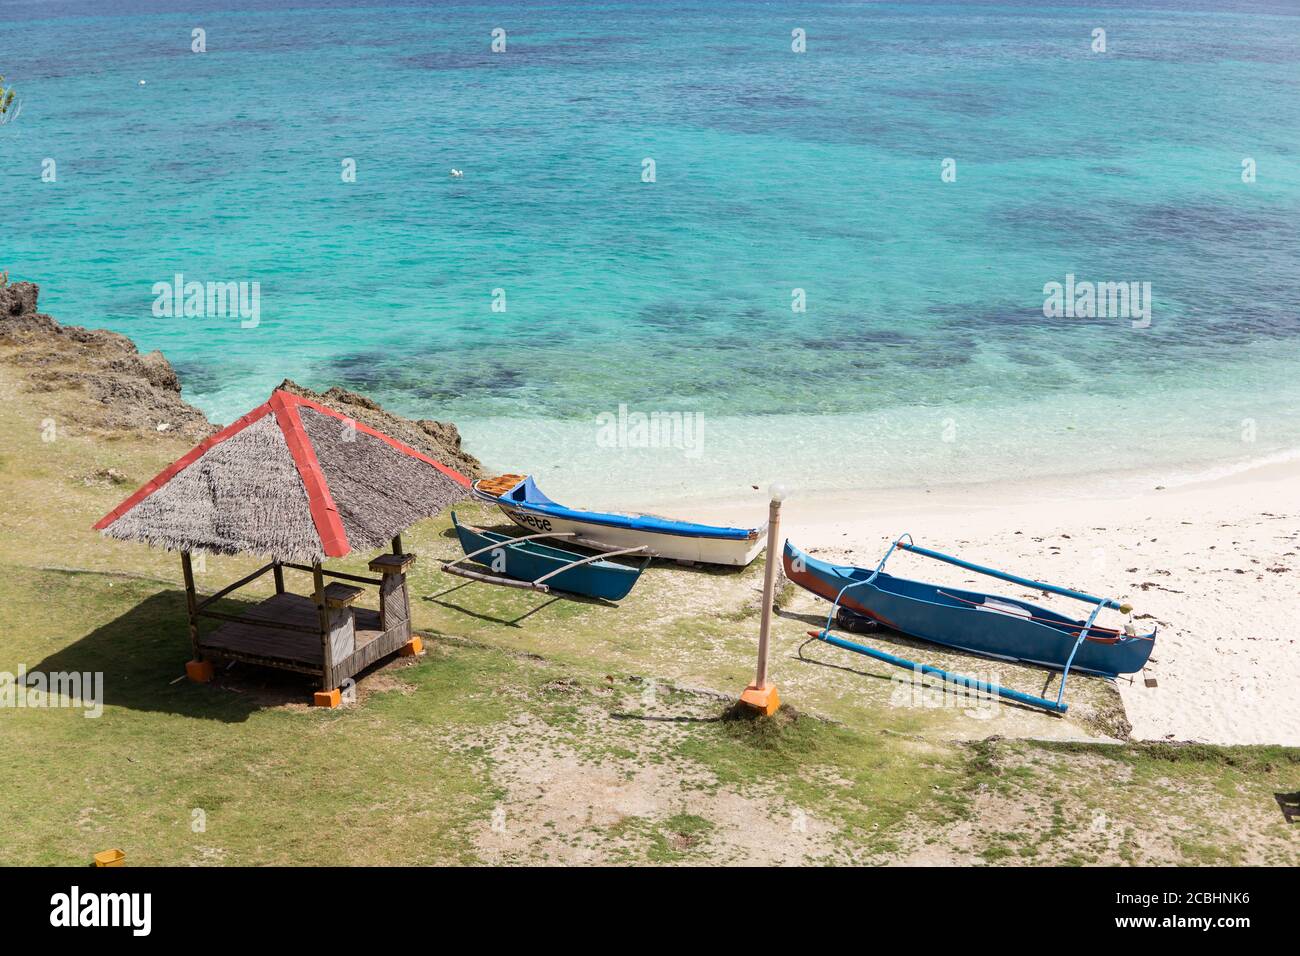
x: 1214, y: 561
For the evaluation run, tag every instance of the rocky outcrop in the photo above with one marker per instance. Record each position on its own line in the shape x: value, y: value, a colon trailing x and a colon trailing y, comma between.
x: 124, y: 390
x: 127, y: 391
x: 439, y: 440
x: 19, y: 300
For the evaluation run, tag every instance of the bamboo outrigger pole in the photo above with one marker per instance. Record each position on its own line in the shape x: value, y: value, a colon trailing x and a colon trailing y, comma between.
x: 761, y: 695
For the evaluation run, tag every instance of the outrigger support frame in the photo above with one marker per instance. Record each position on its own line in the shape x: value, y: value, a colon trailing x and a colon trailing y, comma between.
x: 535, y: 585
x: 1057, y: 706
x: 1013, y: 578
x: 502, y: 544
x: 595, y: 557
x: 983, y: 687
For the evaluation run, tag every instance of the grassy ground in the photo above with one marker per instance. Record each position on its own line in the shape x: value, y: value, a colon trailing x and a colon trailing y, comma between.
x: 537, y: 729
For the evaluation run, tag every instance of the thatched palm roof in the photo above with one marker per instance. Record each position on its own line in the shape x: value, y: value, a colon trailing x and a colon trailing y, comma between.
x: 292, y: 479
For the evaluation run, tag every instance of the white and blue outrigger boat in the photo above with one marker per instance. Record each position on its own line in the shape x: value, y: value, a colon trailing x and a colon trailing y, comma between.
x: 524, y: 504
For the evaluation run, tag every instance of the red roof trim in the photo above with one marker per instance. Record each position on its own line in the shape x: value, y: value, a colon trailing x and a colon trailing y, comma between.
x: 180, y: 464
x: 324, y: 513
x: 404, y: 449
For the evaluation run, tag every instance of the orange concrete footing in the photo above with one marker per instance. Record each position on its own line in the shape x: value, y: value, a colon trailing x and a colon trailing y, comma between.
x: 763, y: 699
x: 327, y: 698
x: 199, y: 671
x: 412, y: 647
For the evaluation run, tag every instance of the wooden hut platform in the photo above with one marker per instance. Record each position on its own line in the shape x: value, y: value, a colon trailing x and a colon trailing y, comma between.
x: 295, y: 647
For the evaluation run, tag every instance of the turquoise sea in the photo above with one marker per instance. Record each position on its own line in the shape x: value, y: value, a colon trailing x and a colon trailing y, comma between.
x: 923, y: 356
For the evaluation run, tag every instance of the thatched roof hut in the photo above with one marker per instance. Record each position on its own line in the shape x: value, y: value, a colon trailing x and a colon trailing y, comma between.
x: 293, y: 480
x: 299, y: 482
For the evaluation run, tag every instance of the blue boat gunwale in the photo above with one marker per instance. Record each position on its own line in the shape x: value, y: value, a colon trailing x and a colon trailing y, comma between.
x: 651, y: 524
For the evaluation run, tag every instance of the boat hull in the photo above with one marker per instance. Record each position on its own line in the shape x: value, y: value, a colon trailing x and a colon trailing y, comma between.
x: 661, y: 537
x: 530, y: 560
x: 657, y: 544
x: 962, y: 619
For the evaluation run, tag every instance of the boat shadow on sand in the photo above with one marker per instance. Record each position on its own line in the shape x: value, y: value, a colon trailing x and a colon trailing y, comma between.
x: 922, y: 651
x: 549, y: 599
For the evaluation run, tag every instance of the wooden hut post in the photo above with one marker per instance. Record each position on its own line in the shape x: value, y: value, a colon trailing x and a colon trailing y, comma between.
x: 187, y: 569
x: 197, y: 669
x: 329, y: 686
x: 401, y: 585
x: 395, y: 599
x: 278, y: 569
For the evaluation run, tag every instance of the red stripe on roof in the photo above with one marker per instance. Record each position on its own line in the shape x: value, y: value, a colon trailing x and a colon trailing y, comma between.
x: 324, y: 513
x: 179, y: 465
x: 403, y: 448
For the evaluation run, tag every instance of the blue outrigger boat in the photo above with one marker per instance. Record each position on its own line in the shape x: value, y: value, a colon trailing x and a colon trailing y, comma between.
x: 522, y: 502
x: 523, y: 562
x: 999, y: 627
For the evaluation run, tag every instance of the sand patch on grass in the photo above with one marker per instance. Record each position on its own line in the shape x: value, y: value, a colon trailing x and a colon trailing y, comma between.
x: 598, y: 790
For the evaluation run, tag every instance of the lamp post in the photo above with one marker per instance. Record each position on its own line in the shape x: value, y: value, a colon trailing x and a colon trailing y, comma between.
x: 761, y: 695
